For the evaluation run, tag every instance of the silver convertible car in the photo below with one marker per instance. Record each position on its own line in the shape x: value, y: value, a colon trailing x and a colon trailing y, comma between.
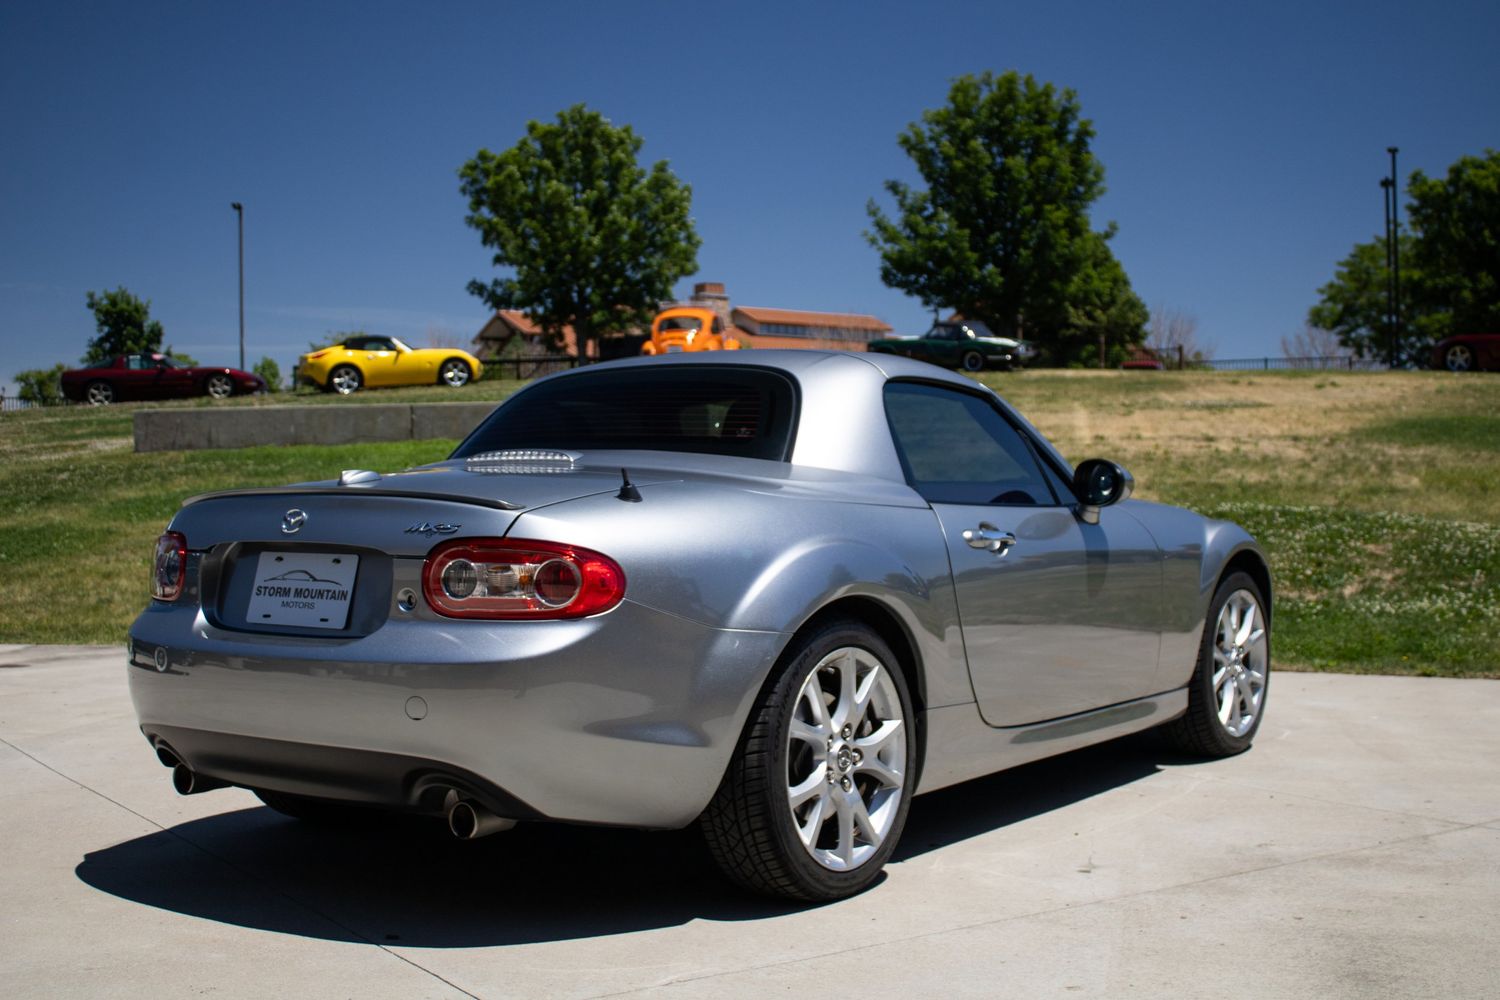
x: 775, y: 593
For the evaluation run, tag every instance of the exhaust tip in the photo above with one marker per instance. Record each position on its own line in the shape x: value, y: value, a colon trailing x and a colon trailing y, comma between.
x: 166, y: 756
x: 190, y: 782
x: 469, y: 821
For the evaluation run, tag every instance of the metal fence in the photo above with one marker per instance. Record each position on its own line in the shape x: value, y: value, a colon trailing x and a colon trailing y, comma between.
x: 521, y: 369
x: 1327, y: 363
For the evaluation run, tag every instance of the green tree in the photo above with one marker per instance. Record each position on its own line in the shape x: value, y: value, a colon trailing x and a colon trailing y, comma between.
x: 1001, y: 229
x: 42, y: 386
x: 1450, y: 268
x: 1353, y: 305
x: 268, y: 369
x: 591, y: 239
x: 1457, y: 251
x: 125, y: 326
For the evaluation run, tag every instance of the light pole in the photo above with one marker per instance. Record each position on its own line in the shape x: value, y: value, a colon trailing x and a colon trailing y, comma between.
x: 1395, y: 257
x: 1387, y: 191
x: 239, y: 211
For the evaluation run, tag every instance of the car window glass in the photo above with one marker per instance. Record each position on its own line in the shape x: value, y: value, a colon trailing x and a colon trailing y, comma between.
x: 136, y: 363
x: 957, y: 448
x: 726, y: 411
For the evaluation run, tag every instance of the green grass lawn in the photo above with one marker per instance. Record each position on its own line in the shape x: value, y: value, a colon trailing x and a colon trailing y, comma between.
x: 1376, y: 496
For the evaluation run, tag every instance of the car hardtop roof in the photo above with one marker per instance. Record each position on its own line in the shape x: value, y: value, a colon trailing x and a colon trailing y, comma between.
x: 794, y: 361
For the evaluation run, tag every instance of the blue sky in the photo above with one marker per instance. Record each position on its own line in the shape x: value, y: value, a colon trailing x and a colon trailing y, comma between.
x: 1243, y: 147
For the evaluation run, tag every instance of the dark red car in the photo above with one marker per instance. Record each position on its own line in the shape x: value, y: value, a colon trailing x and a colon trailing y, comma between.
x: 1468, y: 352
x: 155, y: 376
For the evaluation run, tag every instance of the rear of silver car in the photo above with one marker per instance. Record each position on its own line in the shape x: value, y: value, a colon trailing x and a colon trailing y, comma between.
x: 387, y: 702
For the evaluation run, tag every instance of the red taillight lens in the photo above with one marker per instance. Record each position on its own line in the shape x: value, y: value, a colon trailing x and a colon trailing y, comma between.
x: 315, y: 355
x: 520, y: 579
x: 169, y: 566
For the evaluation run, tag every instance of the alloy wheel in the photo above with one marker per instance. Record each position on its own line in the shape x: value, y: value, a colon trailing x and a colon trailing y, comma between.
x: 846, y: 759
x: 1240, y: 660
x: 219, y: 386
x: 454, y: 373
x: 1459, y: 358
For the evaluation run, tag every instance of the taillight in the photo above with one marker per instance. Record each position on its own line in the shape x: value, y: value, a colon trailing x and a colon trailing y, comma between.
x: 315, y: 355
x: 520, y: 579
x: 169, y: 566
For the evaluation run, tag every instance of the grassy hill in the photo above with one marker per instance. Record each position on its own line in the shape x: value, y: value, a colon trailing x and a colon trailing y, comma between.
x: 1376, y: 495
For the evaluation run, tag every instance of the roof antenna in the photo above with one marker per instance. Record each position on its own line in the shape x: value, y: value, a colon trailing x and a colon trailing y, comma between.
x: 628, y: 492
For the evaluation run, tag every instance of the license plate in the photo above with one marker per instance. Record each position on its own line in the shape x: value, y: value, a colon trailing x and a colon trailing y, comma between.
x: 310, y: 589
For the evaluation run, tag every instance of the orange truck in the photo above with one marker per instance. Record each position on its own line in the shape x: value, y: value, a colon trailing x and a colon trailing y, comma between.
x: 688, y: 328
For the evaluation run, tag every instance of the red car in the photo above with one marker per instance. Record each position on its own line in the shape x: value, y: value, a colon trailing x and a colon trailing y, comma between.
x: 1468, y: 352
x: 154, y: 376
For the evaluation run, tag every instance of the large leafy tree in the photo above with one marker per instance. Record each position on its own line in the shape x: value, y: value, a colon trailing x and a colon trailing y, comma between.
x: 1450, y: 268
x: 125, y: 326
x: 1001, y: 230
x: 1457, y: 220
x: 1353, y: 305
x: 589, y: 238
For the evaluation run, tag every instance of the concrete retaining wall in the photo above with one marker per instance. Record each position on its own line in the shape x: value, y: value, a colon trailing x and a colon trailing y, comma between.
x: 248, y: 426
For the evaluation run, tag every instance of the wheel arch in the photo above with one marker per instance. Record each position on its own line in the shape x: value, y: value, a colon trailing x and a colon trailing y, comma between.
x: 1250, y: 562
x: 885, y: 623
x: 328, y: 379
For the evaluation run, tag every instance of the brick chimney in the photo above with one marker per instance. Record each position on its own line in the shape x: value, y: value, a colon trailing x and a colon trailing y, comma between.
x: 711, y: 295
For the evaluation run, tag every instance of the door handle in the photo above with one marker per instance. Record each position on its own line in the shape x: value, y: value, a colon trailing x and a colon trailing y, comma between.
x: 987, y: 536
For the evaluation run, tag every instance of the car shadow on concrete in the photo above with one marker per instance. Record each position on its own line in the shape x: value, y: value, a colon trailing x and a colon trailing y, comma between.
x: 404, y: 881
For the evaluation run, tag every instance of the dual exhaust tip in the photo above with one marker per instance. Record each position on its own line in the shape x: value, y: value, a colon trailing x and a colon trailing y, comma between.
x: 467, y: 819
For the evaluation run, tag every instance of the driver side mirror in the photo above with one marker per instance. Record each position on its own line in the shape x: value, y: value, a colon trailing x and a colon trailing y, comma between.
x: 1098, y: 483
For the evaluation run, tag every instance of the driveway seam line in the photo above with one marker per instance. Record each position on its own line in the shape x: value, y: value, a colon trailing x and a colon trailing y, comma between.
x: 246, y: 876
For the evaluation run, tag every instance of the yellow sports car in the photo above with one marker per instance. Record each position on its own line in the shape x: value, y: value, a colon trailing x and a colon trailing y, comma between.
x: 385, y: 361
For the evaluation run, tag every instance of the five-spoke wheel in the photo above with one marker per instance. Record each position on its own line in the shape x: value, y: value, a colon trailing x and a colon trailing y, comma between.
x: 345, y: 379
x: 99, y: 393
x: 1459, y: 358
x: 815, y: 799
x: 219, y: 386
x: 1227, y: 693
x: 454, y: 372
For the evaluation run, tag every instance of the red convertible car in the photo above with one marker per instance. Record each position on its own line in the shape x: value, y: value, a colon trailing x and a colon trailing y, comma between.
x: 155, y: 376
x: 1468, y: 352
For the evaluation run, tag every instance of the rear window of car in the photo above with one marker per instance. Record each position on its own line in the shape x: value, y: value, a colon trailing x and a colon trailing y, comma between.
x: 738, y: 411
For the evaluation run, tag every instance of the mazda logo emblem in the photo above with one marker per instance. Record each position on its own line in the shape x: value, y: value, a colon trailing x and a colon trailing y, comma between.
x: 293, y: 520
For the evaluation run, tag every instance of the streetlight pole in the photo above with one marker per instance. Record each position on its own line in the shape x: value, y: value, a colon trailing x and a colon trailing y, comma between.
x: 239, y: 211
x: 1387, y: 192
x: 1395, y: 257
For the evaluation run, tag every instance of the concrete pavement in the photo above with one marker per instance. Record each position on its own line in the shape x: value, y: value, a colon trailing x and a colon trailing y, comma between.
x: 1354, y: 852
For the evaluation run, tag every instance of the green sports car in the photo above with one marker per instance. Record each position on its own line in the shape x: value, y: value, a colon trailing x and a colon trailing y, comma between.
x: 966, y: 344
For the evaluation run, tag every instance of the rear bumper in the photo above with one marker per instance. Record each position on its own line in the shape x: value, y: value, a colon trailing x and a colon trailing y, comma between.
x: 628, y: 718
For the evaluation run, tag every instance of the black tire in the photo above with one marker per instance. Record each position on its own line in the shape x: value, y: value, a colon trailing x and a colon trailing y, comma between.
x: 1199, y: 731
x: 972, y: 361
x: 454, y: 372
x: 218, y: 386
x: 345, y: 380
x: 322, y: 812
x: 750, y: 825
x: 1458, y: 358
x: 99, y: 393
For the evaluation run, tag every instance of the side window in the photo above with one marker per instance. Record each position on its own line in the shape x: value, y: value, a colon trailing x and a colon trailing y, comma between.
x: 957, y: 448
x: 718, y: 327
x: 136, y: 362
